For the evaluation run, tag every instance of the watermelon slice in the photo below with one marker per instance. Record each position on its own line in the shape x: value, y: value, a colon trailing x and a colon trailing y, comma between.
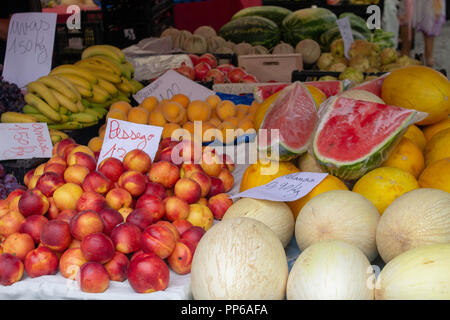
x: 330, y: 88
x: 373, y: 86
x: 355, y: 136
x: 293, y: 115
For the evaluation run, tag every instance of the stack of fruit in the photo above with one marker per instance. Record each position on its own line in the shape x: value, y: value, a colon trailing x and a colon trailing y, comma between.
x: 106, y: 224
x: 11, y: 98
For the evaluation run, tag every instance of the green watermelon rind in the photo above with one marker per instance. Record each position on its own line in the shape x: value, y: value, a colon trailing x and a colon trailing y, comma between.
x: 327, y: 38
x: 285, y: 153
x: 274, y: 13
x: 354, y: 170
x: 254, y: 30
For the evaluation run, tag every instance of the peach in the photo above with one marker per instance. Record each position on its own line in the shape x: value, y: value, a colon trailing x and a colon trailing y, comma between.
x: 82, y: 159
x: 33, y: 181
x: 203, y: 180
x: 158, y: 239
x: 85, y: 223
x: 187, y: 169
x: 203, y: 201
x: 91, y: 201
x: 75, y: 244
x: 33, y: 202
x: 14, y: 204
x: 14, y: 194
x: 171, y: 227
x: 11, y: 269
x: 10, y: 223
x: 70, y: 263
x: 165, y: 173
x: 117, y: 198
x: 67, y: 215
x: 79, y: 148
x: 227, y: 162
x: 141, y: 253
x: 117, y: 267
x: 62, y: 145
x: 181, y: 225
x: 153, y: 204
x: 211, y: 163
x: 33, y: 226
x: 200, y: 216
x: 126, y: 238
x: 180, y: 260
x: 137, y: 160
x: 187, y: 151
x: 188, y: 190
x: 67, y: 195
x: 93, y: 278
x: 193, y: 234
x: 134, y: 182
x: 112, y: 168
x: 97, y: 247
x: 55, y: 168
x: 40, y: 262
x: 111, y: 218
x: 53, y: 211
x: 219, y: 204
x: 56, y: 160
x: 39, y: 171
x: 96, y: 182
x: 148, y: 273
x: 28, y: 175
x: 156, y: 189
x: 75, y: 174
x: 176, y: 208
x: 18, y: 244
x: 68, y: 149
x: 164, y: 155
x: 216, y: 187
x: 141, y: 218
x: 125, y: 212
x: 56, y: 235
x: 227, y: 179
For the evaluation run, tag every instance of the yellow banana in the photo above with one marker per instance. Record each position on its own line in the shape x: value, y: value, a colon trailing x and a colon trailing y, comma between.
x: 59, y: 86
x: 76, y: 80
x: 136, y: 84
x: 44, y: 93
x: 83, y: 117
x: 98, y: 89
x: 122, y: 67
x: 85, y: 93
x: 63, y: 110
x: 41, y: 118
x: 127, y: 83
x: 16, y: 117
x: 108, y: 86
x: 80, y: 106
x: 94, y: 66
x: 105, y: 75
x: 100, y: 95
x: 58, y: 133
x: 104, y: 50
x: 42, y: 106
x: 55, y: 139
x: 109, y: 63
x: 129, y: 66
x: 70, y: 85
x: 71, y: 69
x: 65, y: 102
x: 69, y: 125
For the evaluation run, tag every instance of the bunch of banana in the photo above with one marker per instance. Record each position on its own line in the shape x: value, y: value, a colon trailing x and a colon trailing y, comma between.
x: 57, y: 135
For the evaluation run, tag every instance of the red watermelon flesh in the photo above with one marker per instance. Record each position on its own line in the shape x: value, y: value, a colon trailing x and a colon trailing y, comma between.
x: 373, y: 86
x: 294, y: 114
x: 330, y: 88
x: 261, y: 93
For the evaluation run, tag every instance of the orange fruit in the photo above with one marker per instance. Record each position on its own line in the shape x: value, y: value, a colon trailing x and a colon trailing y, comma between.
x: 173, y: 111
x: 215, y: 122
x: 95, y: 144
x: 436, y: 175
x: 213, y: 100
x: 226, y: 109
x: 246, y: 124
x: 228, y: 133
x: 234, y: 121
x: 101, y: 131
x: 431, y: 130
x: 189, y: 126
x: 417, y: 136
x: 209, y: 132
x: 406, y: 156
x: 181, y: 99
x: 116, y: 114
x: 121, y: 105
x: 384, y: 184
x: 241, y: 111
x: 329, y: 183
x: 198, y: 111
x: 138, y: 115
x: 168, y: 129
x: 317, y: 94
x: 149, y: 103
x: 438, y: 147
x: 156, y: 118
x: 420, y: 88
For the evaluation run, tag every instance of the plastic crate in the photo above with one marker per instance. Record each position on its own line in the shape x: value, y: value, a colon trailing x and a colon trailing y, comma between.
x: 20, y: 167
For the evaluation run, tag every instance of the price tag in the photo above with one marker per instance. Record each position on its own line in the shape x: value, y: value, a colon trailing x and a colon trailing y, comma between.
x: 290, y: 187
x: 25, y: 141
x: 29, y: 48
x: 171, y: 83
x: 123, y: 136
x: 346, y: 34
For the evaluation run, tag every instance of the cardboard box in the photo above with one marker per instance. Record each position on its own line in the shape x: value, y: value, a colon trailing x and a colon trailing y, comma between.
x: 271, y: 67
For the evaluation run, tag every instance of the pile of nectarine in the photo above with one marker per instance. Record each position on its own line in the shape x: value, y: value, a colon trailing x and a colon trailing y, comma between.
x: 133, y: 219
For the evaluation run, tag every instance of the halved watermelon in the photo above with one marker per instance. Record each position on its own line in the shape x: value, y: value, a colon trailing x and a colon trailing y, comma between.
x: 373, y: 86
x: 293, y: 115
x: 355, y: 136
x: 330, y: 88
x: 261, y: 93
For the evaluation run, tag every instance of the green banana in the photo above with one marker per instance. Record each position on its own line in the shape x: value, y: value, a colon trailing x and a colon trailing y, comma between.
x: 42, y: 106
x: 101, y: 111
x: 69, y: 125
x: 83, y: 117
x: 41, y: 118
x: 94, y: 112
x: 136, y: 84
x: 89, y: 124
x: 29, y: 109
x: 42, y: 91
x: 63, y: 110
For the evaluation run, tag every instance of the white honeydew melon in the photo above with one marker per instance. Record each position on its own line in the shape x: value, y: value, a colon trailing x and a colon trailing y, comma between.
x: 239, y: 259
x: 331, y: 270
x: 341, y: 215
x: 361, y: 95
x: 422, y: 273
x: 276, y: 215
x: 205, y: 31
x: 416, y: 218
x: 307, y: 163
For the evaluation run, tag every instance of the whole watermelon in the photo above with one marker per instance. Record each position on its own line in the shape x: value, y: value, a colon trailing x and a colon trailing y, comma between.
x: 327, y: 38
x: 274, y: 13
x: 307, y: 23
x: 253, y: 30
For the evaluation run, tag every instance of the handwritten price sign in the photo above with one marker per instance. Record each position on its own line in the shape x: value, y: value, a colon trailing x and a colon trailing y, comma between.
x: 25, y: 141
x: 123, y: 136
x: 171, y: 83
x: 29, y: 49
x: 346, y: 34
x: 290, y: 187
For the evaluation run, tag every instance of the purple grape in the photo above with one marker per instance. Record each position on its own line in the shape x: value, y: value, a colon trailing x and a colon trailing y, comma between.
x: 3, y: 192
x: 9, y: 178
x: 2, y: 171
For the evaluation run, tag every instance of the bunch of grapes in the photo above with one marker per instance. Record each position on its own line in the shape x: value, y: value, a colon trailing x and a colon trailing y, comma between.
x: 11, y: 98
x: 8, y: 183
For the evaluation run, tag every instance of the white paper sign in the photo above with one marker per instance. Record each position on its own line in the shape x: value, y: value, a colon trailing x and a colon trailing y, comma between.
x: 123, y: 136
x: 171, y: 83
x: 29, y: 48
x: 346, y: 33
x: 290, y: 187
x: 25, y: 141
